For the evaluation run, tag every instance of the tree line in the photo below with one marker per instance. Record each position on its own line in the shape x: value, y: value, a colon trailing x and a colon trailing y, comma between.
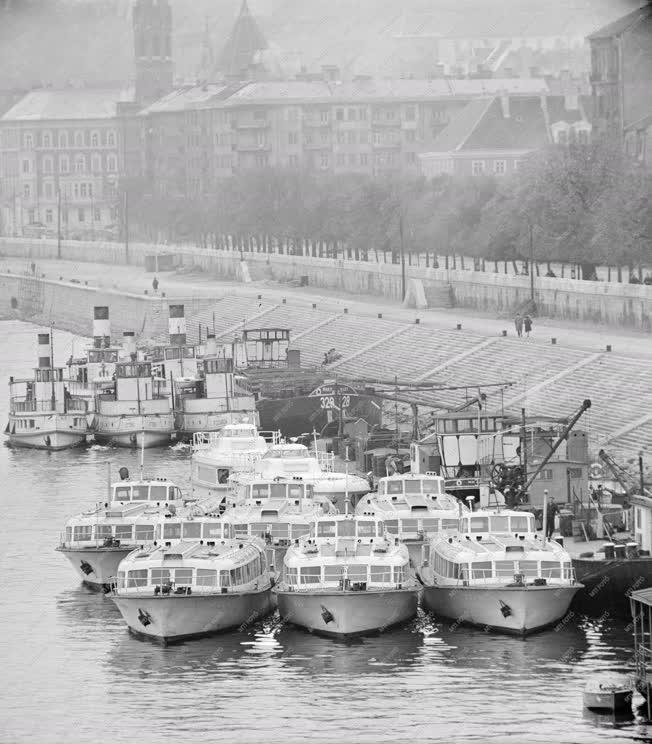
x: 582, y: 204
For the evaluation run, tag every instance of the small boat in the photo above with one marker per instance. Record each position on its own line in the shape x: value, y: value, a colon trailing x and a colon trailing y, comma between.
x: 347, y: 577
x: 188, y: 590
x: 216, y: 455
x: 414, y: 507
x: 96, y: 540
x: 608, y: 693
x: 498, y: 574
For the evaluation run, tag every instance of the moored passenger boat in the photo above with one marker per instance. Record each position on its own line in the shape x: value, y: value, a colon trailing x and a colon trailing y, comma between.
x: 347, y: 577
x: 236, y: 448
x: 97, y: 540
x: 414, y: 507
x: 43, y: 414
x: 499, y: 574
x: 187, y: 590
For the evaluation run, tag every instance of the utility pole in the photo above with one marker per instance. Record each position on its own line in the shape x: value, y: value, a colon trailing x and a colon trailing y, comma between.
x: 59, y: 223
x: 531, y: 264
x: 402, y: 244
x: 125, y: 218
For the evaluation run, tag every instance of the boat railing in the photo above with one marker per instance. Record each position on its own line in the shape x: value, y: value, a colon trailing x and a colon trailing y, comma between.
x: 491, y: 575
x: 204, y: 440
x: 326, y: 460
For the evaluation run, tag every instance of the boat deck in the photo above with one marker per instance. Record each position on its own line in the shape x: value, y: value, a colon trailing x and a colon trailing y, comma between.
x: 575, y: 546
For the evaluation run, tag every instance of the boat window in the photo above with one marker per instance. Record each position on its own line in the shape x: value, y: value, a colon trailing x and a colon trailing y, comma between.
x: 464, y: 525
x: 380, y: 528
x: 183, y: 575
x: 431, y: 486
x: 310, y: 575
x: 225, y: 578
x: 121, y: 579
x: 258, y: 529
x: 228, y: 531
x: 212, y: 529
x: 346, y: 528
x: 137, y: 578
x: 68, y: 534
x: 409, y: 525
x: 365, y: 529
x: 505, y: 569
x: 102, y: 531
x: 430, y: 525
x: 551, y: 569
x: 292, y: 575
x: 479, y: 524
x: 222, y: 475
x: 160, y: 493
x: 529, y: 568
x: 299, y: 530
x: 140, y: 493
x: 241, y: 530
x: 400, y: 573
x: 520, y: 524
x: 278, y: 490
x: 357, y: 571
x: 280, y: 530
x: 144, y: 532
x: 449, y: 524
x: 381, y: 573
x: 500, y: 524
x: 122, y: 493
x: 295, y: 491
x: 124, y: 531
x: 206, y: 577
x: 567, y: 570
x: 160, y: 576
x: 206, y: 474
x: 236, y: 576
x: 481, y: 569
x: 412, y: 486
x: 260, y: 491
x: 191, y: 530
x: 395, y: 486
x: 325, y: 529
x: 83, y: 532
x: 172, y: 531
x: 333, y: 572
x: 391, y: 525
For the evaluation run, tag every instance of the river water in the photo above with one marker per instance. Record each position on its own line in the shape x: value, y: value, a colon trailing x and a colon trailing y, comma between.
x: 71, y: 672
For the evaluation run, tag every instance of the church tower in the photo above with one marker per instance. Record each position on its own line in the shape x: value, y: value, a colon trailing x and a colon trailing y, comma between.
x: 152, y: 21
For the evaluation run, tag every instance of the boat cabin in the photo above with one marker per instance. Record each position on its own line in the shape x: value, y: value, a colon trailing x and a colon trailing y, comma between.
x: 159, y: 491
x: 259, y: 491
x: 288, y: 459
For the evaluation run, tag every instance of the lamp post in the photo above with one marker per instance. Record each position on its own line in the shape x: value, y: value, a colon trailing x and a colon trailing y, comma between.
x: 531, y: 263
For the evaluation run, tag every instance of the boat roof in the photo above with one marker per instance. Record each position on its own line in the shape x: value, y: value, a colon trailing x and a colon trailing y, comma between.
x: 395, y: 504
x: 467, y: 548
x: 307, y: 511
x: 643, y: 595
x: 224, y: 554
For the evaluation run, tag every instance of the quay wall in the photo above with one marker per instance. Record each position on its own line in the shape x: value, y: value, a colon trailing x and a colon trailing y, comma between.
x: 69, y: 306
x: 615, y: 304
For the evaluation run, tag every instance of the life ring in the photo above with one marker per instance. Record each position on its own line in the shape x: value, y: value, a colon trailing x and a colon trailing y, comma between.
x: 459, y: 482
x: 596, y: 470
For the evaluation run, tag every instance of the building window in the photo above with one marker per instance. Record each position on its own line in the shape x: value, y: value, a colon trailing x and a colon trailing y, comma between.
x: 27, y: 191
x: 79, y: 139
x: 26, y: 166
x: 28, y: 142
x: 261, y: 161
x: 377, y: 138
x: 324, y: 160
x: 352, y: 160
x: 324, y: 137
x: 323, y: 115
x: 410, y: 158
x: 95, y: 139
x: 340, y: 138
x: 500, y: 167
x: 477, y: 167
x: 341, y: 159
x: 260, y: 114
x: 562, y: 137
x: 110, y: 138
x: 364, y: 158
x: 81, y: 215
x: 293, y: 138
x: 75, y: 190
x: 583, y: 136
x: 545, y: 474
x: 362, y: 114
x: 518, y: 164
x: 351, y: 114
x: 64, y: 164
x: 80, y: 164
x: 261, y: 139
x: 112, y: 164
x: 64, y: 215
x: 351, y: 138
x: 31, y: 216
x: 293, y: 114
x: 47, y: 165
x: 575, y: 473
x: 82, y: 190
x: 48, y: 190
x: 339, y: 114
x: 96, y: 163
x: 410, y: 113
x: 293, y: 161
x: 410, y: 135
x: 47, y: 139
x: 49, y: 216
x: 63, y: 139
x: 97, y: 214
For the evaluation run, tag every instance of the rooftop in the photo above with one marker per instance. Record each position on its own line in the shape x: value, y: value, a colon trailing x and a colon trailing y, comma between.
x: 623, y: 24
x: 69, y: 104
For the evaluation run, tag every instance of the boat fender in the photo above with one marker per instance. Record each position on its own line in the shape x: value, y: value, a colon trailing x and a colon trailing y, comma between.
x: 327, y: 615
x: 133, y: 439
x: 123, y: 473
x: 505, y: 608
x: 144, y: 617
x: 596, y: 470
x: 86, y: 567
x: 47, y: 440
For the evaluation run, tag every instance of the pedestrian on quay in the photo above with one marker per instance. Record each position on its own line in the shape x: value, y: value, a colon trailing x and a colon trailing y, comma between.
x: 518, y: 324
x: 155, y: 284
x: 551, y: 513
x: 527, y: 325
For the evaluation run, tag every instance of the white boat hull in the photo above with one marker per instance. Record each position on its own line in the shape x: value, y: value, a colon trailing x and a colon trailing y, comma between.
x: 177, y: 617
x: 353, y: 613
x: 96, y: 566
x: 134, y: 438
x: 518, y: 610
x: 188, y: 424
x: 51, y: 439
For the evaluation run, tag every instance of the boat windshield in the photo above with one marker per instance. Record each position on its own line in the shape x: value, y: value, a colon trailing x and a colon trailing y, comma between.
x: 290, y: 452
